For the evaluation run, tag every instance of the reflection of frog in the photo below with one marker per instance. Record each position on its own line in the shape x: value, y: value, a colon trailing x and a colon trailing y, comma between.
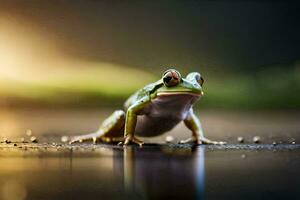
x: 155, y: 109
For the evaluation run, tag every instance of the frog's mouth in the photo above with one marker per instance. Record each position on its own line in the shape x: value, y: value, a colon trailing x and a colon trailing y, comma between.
x: 176, y: 99
x: 180, y: 93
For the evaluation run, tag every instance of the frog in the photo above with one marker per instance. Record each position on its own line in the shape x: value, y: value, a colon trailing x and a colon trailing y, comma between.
x: 153, y: 110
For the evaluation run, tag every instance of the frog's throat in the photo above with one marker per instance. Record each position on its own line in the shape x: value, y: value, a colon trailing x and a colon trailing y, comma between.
x: 179, y: 93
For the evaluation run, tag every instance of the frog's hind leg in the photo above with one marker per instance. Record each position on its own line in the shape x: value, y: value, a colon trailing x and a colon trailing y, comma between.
x: 111, y: 130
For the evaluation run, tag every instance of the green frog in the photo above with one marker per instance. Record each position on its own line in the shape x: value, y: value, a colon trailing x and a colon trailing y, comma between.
x: 153, y: 110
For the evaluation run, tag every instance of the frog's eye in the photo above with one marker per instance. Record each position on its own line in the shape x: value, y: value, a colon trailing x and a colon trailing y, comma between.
x: 171, y: 77
x: 199, y: 79
x: 195, y: 76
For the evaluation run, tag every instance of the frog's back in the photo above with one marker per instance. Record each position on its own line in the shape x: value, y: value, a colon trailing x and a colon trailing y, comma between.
x: 141, y: 93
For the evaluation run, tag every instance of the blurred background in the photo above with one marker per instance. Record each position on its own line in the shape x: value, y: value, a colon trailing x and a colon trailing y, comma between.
x: 65, y: 65
x: 99, y: 52
x: 94, y: 54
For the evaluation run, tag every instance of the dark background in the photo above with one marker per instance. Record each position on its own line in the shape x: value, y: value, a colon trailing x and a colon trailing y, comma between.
x: 248, y: 51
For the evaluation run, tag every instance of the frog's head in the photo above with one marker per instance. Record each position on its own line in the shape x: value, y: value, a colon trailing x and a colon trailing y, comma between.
x: 173, y: 83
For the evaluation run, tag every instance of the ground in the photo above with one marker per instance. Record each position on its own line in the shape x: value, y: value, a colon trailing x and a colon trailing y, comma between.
x: 50, y: 169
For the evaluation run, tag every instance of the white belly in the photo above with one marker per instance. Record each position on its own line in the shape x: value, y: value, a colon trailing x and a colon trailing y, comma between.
x: 163, y: 114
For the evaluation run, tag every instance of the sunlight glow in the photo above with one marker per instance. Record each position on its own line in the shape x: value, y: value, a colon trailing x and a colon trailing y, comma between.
x: 30, y: 58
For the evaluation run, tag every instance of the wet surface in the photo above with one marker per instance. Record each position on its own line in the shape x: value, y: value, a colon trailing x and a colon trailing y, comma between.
x: 48, y: 169
x: 86, y: 171
x: 270, y: 126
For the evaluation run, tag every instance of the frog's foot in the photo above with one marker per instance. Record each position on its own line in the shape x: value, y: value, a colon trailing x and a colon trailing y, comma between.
x: 188, y: 141
x: 74, y: 140
x: 200, y: 141
x: 207, y: 141
x: 131, y: 139
x: 94, y: 137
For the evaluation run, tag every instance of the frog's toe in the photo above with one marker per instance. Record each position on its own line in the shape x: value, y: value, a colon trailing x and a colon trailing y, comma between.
x: 222, y: 142
x: 75, y: 139
x: 218, y: 142
x: 129, y: 140
x: 189, y: 140
x: 207, y: 141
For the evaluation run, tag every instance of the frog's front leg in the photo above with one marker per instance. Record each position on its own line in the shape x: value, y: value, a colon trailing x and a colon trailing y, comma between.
x: 192, y: 122
x: 131, y: 120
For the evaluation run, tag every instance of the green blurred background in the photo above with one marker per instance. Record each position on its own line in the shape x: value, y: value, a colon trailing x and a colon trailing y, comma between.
x: 96, y: 53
